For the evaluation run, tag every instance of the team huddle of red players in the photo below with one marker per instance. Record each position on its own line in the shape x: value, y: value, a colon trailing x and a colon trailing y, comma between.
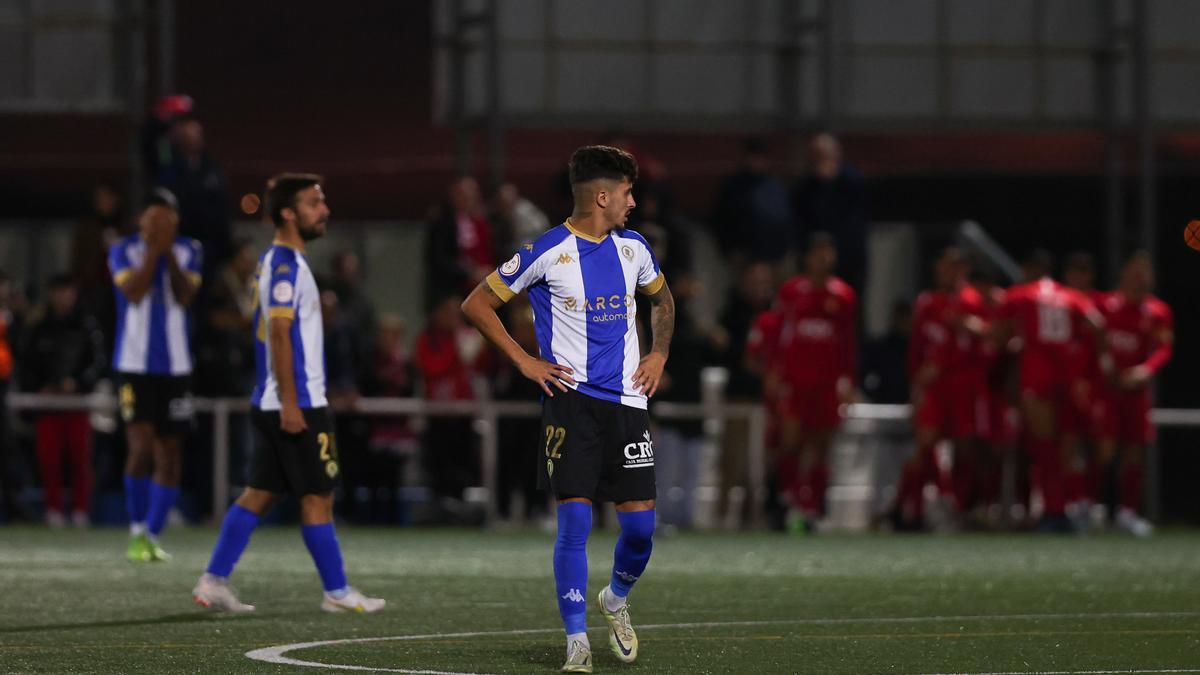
x: 1057, y: 373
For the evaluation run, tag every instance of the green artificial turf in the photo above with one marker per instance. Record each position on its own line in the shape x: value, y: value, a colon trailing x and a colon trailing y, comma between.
x: 732, y: 603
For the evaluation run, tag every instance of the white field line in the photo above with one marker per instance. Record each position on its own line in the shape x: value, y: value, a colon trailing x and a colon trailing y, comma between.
x: 276, y: 655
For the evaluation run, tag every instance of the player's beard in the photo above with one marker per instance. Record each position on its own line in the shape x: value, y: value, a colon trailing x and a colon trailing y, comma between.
x: 314, y: 231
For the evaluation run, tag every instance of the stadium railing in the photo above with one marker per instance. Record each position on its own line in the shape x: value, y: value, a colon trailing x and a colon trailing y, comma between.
x: 863, y: 421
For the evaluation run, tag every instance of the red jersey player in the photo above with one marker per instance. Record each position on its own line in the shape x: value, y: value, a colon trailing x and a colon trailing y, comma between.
x: 1140, y: 339
x: 1088, y: 386
x: 815, y: 367
x: 946, y: 390
x: 1046, y: 316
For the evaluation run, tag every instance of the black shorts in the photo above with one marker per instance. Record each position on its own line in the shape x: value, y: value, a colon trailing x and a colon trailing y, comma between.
x: 300, y: 464
x: 162, y: 400
x: 595, y: 449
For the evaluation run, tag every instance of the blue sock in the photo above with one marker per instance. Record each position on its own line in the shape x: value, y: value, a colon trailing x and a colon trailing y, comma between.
x: 570, y: 564
x: 323, y: 546
x: 162, y: 498
x: 633, y: 549
x: 137, y: 497
x: 239, y: 523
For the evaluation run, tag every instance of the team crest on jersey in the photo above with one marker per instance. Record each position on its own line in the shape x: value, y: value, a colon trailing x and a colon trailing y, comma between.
x: 282, y: 292
x: 509, y: 268
x: 627, y: 251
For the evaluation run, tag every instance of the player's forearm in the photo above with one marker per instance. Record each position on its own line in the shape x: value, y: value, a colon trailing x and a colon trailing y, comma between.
x: 138, y: 284
x: 1158, y: 358
x: 481, y: 313
x: 662, y: 320
x: 182, y: 284
x: 281, y: 365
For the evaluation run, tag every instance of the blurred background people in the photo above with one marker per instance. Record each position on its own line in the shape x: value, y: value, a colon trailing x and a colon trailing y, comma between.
x: 63, y: 353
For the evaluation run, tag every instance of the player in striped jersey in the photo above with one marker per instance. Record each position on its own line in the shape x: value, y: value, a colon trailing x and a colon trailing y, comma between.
x: 581, y: 278
x: 297, y: 450
x: 156, y: 274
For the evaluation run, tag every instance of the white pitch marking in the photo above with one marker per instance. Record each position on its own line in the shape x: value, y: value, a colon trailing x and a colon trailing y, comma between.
x: 275, y: 655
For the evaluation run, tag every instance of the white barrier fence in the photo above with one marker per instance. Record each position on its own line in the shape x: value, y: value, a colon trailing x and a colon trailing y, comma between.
x: 863, y: 421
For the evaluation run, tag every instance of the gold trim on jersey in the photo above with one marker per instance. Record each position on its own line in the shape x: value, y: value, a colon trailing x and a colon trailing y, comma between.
x: 654, y: 286
x: 500, y: 288
x: 581, y: 235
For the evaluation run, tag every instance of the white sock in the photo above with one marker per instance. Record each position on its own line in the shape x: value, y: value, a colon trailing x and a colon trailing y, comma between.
x: 136, y: 529
x: 611, y: 602
x: 577, y: 637
x: 214, y: 579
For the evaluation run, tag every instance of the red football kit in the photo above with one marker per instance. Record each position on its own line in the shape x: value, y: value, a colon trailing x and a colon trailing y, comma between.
x: 817, y: 347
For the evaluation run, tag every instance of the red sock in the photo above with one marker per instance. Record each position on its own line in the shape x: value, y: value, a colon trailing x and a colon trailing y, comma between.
x: 1131, y: 485
x: 49, y: 454
x: 1051, y: 472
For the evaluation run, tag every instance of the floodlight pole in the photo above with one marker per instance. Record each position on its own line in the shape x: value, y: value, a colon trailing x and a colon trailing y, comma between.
x: 1107, y: 55
x: 166, y: 47
x: 133, y: 30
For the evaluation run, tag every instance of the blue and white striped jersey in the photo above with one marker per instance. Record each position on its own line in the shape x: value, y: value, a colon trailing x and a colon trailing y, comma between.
x: 582, y: 292
x: 153, y: 334
x: 285, y: 287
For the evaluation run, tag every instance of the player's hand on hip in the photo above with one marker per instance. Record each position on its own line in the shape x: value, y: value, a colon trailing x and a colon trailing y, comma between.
x: 545, y: 373
x: 649, y: 373
x: 291, y: 420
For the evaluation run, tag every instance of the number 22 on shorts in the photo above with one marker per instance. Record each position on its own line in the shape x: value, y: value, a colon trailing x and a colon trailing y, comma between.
x: 555, y: 437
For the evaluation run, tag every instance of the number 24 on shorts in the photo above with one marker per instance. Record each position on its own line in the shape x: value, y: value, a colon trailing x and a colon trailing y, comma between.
x: 554, y: 440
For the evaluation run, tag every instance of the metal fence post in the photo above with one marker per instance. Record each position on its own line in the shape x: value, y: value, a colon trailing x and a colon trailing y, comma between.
x: 220, y: 413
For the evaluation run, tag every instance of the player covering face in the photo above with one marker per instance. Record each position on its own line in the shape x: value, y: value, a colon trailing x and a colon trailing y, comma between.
x: 297, y: 450
x: 581, y: 278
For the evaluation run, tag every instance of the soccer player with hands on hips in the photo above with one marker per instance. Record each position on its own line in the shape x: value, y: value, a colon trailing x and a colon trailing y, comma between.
x: 296, y: 450
x: 156, y: 274
x: 581, y: 278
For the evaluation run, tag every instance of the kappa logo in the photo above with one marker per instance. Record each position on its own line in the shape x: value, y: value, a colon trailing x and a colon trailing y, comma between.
x: 565, y: 259
x: 573, y: 595
x: 528, y: 247
x: 626, y: 576
x: 638, y: 455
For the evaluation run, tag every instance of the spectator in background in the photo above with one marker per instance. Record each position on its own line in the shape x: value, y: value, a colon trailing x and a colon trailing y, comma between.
x: 200, y: 186
x: 356, y: 310
x: 518, y: 220
x: 667, y: 236
x: 64, y: 353
x: 679, y: 444
x: 518, y: 462
x: 340, y: 356
x: 833, y: 198
x: 748, y: 298
x: 225, y: 350
x: 884, y: 371
x: 459, y: 249
x: 752, y: 220
x: 158, y: 152
x: 447, y: 353
x: 390, y: 440
x: 10, y: 321
x: 90, y: 241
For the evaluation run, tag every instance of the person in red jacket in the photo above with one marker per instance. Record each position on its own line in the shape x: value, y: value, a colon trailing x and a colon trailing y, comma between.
x: 448, y: 352
x: 1047, y: 318
x: 815, y: 366
x: 1085, y: 480
x: 945, y: 390
x: 1140, y: 339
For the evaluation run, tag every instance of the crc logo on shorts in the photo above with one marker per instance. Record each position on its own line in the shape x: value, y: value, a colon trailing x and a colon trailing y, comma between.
x: 282, y: 292
x: 509, y: 268
x: 640, y: 454
x: 331, y: 469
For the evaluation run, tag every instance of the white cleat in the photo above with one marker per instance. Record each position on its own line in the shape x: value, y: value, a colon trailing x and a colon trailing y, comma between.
x: 579, y: 659
x: 1134, y: 524
x: 621, y: 637
x: 353, y: 601
x: 212, y: 594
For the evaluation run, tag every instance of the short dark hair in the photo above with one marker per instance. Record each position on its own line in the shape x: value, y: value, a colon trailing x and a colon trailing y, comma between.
x: 60, y: 281
x: 601, y: 161
x: 1080, y: 261
x: 161, y: 197
x: 282, y: 190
